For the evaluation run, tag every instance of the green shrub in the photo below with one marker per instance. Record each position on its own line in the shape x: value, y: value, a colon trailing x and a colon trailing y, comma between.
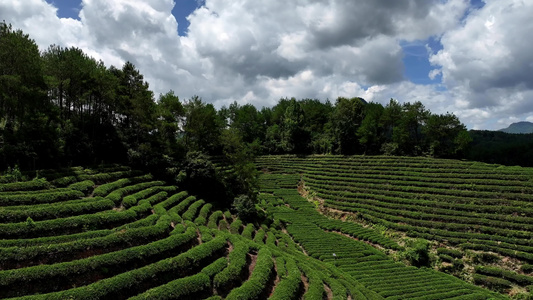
x: 183, y: 205
x: 179, y: 288
x: 237, y: 263
x: 245, y: 208
x: 72, y: 224
x: 192, y: 210
x: 228, y: 216
x: 235, y: 227
x: 118, y: 194
x: 315, y: 291
x: 32, y: 185
x: 55, y: 210
x: 202, y: 215
x: 206, y: 233
x: 223, y: 225
x: 509, y: 275
x: 126, y: 283
x: 485, y: 257
x: 213, y: 219
x: 104, y: 189
x: 253, y: 287
x: 527, y: 268
x: 21, y: 281
x: 85, y: 186
x: 132, y: 200
x: 260, y: 236
x: 446, y: 258
x: 248, y: 231
x: 271, y: 239
x: 493, y: 283
x: 55, y: 252
x: 450, y: 252
x: 172, y: 201
x: 418, y: 253
x: 39, y: 198
x: 216, y: 267
x: 290, y: 285
x: 338, y: 290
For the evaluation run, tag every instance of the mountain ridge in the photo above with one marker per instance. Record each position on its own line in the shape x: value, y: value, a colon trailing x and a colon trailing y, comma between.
x: 519, y: 127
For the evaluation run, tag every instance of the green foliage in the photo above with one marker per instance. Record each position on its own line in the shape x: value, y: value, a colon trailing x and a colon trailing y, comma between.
x: 202, y: 126
x: 446, y: 135
x: 252, y: 288
x: 85, y: 186
x: 527, y: 268
x: 30, y: 223
x: 522, y: 280
x: 178, y: 288
x: 245, y: 208
x: 347, y: 119
x: 248, y: 231
x: 450, y: 252
x: 228, y: 277
x: 13, y: 174
x: 198, y: 172
x: 32, y: 185
x: 128, y: 283
x: 27, y: 277
x: 289, y: 285
x: 493, y: 283
x: 236, y: 226
x: 501, y: 148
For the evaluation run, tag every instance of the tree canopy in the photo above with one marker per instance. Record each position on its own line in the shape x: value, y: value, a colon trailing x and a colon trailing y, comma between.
x: 62, y: 107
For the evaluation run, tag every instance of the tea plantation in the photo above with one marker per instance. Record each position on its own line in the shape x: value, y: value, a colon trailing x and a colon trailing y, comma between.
x: 477, y: 217
x: 115, y: 233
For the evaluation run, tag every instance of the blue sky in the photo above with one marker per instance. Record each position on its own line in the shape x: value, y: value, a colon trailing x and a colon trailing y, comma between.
x: 477, y: 52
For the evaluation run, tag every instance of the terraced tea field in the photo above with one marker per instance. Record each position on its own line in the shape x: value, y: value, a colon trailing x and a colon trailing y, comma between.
x: 478, y: 216
x: 116, y: 234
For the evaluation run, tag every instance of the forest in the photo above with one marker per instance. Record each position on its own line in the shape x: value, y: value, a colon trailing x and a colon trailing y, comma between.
x: 61, y: 107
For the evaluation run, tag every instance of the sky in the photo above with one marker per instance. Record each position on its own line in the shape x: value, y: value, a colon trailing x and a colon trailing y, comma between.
x: 472, y: 58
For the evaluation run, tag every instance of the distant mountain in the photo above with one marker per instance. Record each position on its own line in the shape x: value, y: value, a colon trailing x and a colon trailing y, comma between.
x: 519, y: 127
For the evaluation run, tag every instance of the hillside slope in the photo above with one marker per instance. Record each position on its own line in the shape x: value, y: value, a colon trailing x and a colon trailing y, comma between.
x: 519, y: 127
x: 477, y: 217
x: 113, y: 233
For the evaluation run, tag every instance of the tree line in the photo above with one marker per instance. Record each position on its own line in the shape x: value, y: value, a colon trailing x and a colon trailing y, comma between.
x: 61, y: 107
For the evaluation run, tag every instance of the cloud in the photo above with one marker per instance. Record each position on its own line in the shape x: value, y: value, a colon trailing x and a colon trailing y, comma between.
x: 487, y: 62
x: 39, y: 19
x: 242, y: 50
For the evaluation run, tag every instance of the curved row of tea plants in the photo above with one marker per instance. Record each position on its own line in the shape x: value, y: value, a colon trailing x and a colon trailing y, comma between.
x: 325, y: 239
x: 98, y: 235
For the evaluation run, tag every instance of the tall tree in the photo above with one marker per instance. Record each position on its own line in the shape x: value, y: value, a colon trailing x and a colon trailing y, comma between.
x: 81, y: 88
x: 248, y: 121
x: 407, y: 134
x: 294, y: 136
x: 347, y: 119
x: 371, y: 133
x: 445, y: 135
x: 317, y: 124
x: 26, y: 117
x: 202, y: 126
x: 171, y: 116
x: 135, y: 115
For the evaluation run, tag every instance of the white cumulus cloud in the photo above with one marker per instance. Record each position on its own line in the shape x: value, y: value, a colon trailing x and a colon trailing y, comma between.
x: 487, y: 62
x: 257, y: 52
